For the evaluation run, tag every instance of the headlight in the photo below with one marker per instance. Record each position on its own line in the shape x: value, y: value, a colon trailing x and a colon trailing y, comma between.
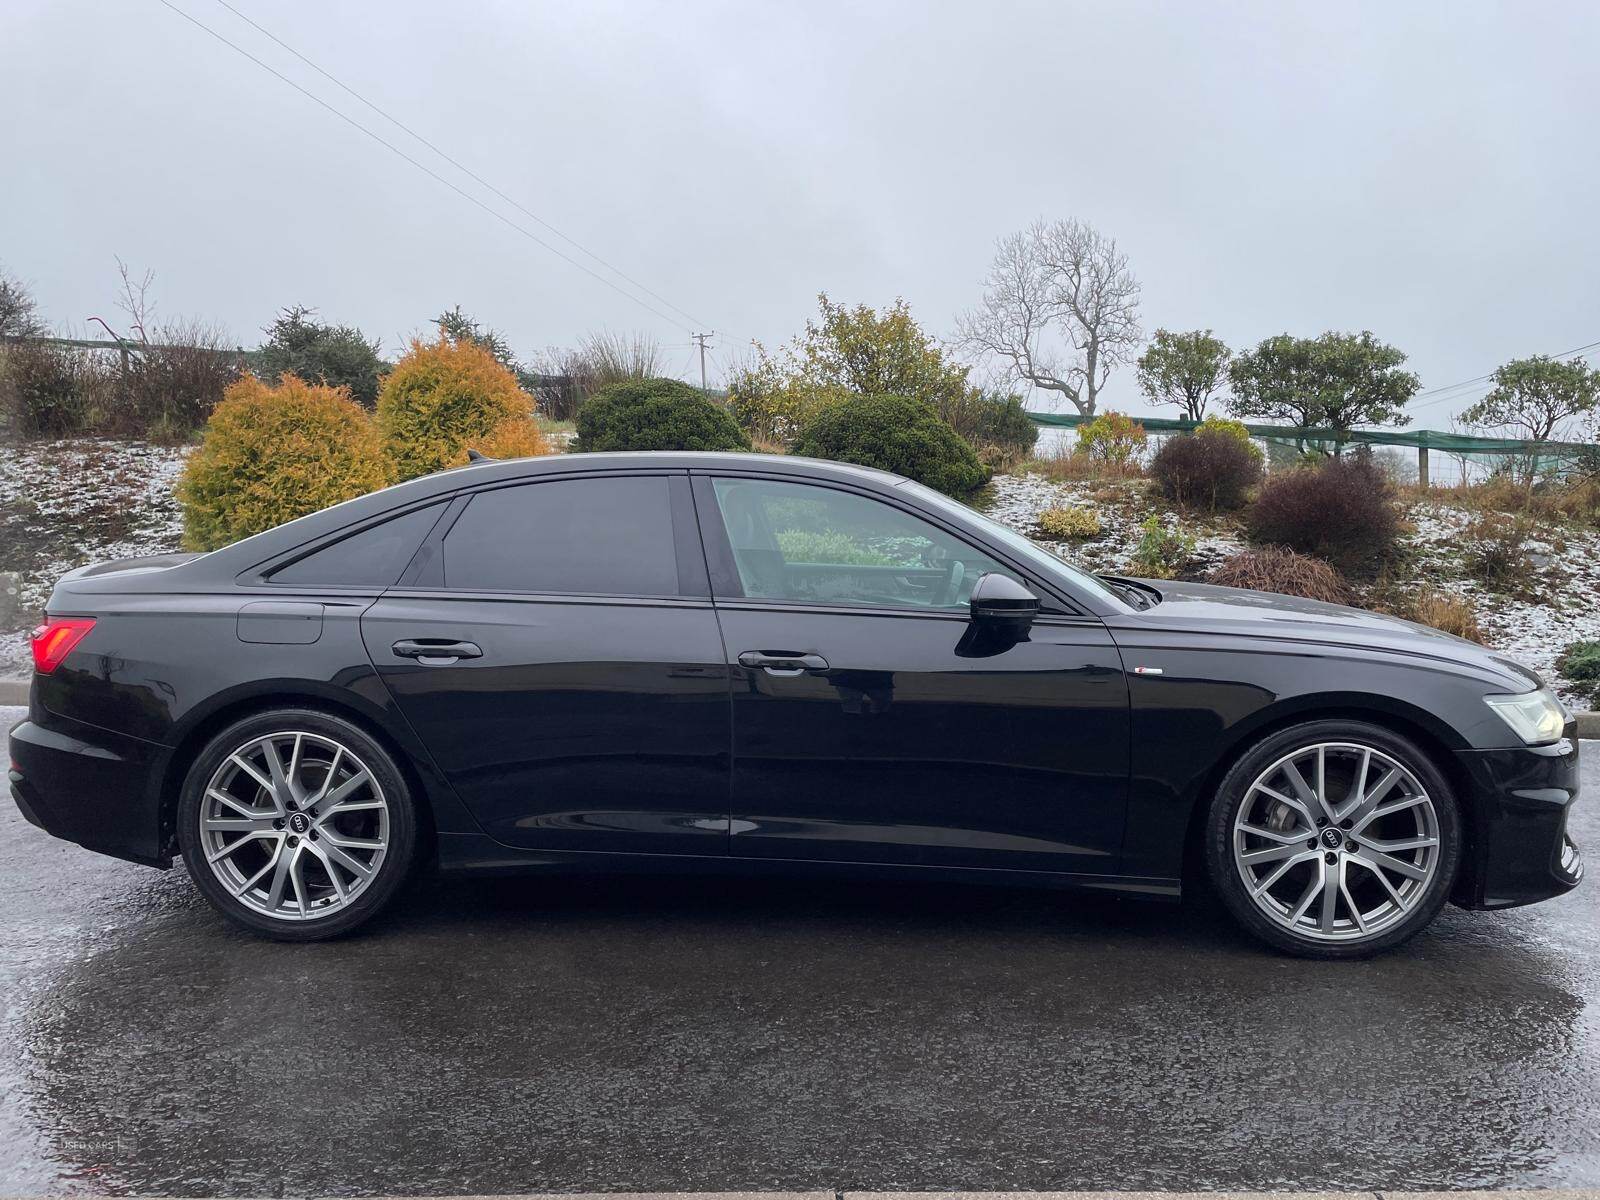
x: 1535, y: 717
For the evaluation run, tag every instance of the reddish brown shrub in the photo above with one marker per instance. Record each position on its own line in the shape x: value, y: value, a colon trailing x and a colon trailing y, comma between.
x: 1342, y: 510
x: 1207, y: 469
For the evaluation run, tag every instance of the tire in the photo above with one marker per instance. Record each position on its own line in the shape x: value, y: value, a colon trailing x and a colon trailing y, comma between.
x: 1383, y: 836
x: 307, y: 847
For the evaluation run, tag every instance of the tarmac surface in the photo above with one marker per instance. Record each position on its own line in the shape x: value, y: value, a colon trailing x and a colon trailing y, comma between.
x: 605, y: 1035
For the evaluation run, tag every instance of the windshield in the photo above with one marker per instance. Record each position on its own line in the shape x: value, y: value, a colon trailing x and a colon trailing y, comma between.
x: 1047, y: 561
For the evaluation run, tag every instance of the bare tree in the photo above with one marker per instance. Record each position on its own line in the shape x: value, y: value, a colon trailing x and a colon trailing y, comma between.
x: 135, y: 299
x: 1060, y: 307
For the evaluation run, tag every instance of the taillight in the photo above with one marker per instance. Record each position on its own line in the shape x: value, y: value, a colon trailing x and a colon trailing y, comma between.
x: 54, y: 640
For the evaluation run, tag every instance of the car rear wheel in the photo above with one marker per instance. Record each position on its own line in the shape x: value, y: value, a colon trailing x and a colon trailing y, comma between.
x: 1334, y: 839
x: 297, y: 824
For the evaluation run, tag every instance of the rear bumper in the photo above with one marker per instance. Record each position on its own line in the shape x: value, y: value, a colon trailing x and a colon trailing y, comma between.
x: 1519, y: 851
x: 90, y: 786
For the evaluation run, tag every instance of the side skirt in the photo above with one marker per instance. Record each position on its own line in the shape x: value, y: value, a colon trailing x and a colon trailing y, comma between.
x: 465, y: 854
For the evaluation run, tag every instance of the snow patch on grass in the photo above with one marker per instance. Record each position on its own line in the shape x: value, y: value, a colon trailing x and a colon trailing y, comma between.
x: 1122, y: 505
x: 1531, y: 631
x: 67, y: 503
x: 1564, y: 601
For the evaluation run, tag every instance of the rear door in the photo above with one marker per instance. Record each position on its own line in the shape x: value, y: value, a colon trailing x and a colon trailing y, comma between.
x: 555, y: 648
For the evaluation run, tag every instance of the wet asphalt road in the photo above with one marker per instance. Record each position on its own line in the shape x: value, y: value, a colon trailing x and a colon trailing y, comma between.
x: 602, y: 1035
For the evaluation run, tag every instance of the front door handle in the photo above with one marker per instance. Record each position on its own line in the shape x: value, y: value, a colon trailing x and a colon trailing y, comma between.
x: 436, y: 652
x: 781, y: 662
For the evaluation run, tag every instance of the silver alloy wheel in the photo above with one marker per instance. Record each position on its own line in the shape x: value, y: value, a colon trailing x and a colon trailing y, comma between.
x: 294, y: 825
x: 1336, y: 841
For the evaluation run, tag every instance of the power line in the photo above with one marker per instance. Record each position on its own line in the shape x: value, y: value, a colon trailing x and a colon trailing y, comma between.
x: 688, y: 358
x: 1454, y: 389
x: 465, y: 170
x: 426, y: 170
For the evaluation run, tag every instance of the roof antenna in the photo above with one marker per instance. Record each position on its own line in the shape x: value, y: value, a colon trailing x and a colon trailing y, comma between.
x: 477, y: 456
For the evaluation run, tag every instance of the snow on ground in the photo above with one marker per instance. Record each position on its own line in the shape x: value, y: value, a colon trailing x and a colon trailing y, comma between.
x: 67, y: 503
x: 1533, y: 634
x: 1568, y: 589
x: 1122, y: 505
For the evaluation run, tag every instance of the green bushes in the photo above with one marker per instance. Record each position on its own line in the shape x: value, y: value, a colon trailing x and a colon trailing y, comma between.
x: 995, y: 425
x: 273, y: 453
x: 1161, y: 552
x: 1342, y: 510
x: 442, y: 398
x: 894, y: 433
x: 337, y: 355
x: 772, y: 406
x: 655, y: 414
x: 1579, y: 665
x: 1113, y: 440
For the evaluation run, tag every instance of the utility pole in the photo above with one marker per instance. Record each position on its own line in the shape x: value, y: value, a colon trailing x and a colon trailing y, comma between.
x: 700, y: 338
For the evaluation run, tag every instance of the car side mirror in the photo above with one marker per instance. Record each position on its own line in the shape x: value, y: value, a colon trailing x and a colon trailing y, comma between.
x: 1000, y: 602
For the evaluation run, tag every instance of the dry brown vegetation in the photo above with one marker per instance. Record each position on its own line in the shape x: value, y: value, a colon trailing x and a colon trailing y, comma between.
x: 1062, y: 463
x: 1341, y: 510
x: 1279, y: 569
x: 1429, y: 606
x: 1574, y: 499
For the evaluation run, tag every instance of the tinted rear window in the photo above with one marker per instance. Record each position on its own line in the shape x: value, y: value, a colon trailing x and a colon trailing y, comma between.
x: 372, y: 558
x: 609, y: 537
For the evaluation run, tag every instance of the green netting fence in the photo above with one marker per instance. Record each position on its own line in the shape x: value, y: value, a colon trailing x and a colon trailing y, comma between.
x: 1440, y: 456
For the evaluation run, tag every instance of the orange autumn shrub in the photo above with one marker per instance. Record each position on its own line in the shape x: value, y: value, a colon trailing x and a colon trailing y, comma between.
x: 274, y: 452
x: 441, y: 399
x: 514, y: 439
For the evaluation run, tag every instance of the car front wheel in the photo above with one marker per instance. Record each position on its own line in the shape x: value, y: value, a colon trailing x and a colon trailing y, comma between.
x: 1334, y: 839
x: 297, y: 824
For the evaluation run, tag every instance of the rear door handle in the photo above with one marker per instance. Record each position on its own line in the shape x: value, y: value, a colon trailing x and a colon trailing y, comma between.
x: 779, y: 662
x: 436, y: 652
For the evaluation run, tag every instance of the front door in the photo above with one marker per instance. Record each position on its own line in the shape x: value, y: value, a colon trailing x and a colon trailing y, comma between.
x: 561, y: 662
x: 871, y: 725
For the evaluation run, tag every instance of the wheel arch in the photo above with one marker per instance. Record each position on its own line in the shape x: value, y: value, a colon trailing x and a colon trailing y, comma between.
x: 264, y: 696
x: 1431, y: 735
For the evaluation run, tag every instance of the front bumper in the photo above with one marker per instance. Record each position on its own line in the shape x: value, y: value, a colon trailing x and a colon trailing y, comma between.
x: 90, y: 786
x: 1518, y: 849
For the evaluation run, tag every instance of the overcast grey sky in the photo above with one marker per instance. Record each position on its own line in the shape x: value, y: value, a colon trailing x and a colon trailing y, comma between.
x: 1427, y: 171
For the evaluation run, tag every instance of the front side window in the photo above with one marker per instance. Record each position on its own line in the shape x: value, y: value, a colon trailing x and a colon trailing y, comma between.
x: 794, y: 541
x: 1046, y: 561
x: 601, y: 536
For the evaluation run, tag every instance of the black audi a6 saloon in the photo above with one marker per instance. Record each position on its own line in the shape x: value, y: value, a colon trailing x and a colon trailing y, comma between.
x: 739, y: 662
